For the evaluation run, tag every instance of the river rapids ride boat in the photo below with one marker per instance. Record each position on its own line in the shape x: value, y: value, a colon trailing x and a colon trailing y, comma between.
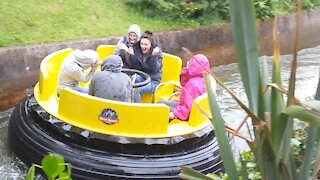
x: 106, y: 139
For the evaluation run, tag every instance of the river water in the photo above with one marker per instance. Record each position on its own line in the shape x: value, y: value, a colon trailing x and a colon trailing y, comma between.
x: 307, y: 79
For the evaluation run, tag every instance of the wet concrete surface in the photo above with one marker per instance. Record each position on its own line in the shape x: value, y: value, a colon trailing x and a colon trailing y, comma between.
x: 10, y: 99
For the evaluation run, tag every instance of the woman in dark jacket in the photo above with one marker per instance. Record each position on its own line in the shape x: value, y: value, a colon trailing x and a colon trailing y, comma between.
x: 143, y: 58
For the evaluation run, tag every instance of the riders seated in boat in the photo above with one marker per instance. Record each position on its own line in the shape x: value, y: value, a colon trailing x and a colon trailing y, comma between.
x: 126, y: 42
x: 143, y: 57
x: 193, y: 86
x: 72, y: 69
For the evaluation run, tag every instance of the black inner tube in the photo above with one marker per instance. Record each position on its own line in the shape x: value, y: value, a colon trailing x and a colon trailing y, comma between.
x: 32, y: 136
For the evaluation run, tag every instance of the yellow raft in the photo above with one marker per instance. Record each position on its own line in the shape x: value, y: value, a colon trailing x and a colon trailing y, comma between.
x: 139, y: 143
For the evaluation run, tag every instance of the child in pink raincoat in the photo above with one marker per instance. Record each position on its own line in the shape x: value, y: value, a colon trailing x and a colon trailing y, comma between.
x: 193, y: 86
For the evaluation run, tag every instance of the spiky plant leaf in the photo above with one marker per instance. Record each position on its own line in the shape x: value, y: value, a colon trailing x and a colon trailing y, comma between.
x: 244, y: 172
x: 188, y: 173
x: 311, y: 143
x: 31, y: 173
x: 306, y: 113
x: 277, y: 101
x: 245, y: 38
x: 316, y: 167
x: 220, y: 132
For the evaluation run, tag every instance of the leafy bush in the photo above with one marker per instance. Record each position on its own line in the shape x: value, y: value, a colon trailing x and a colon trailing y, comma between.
x: 203, y: 10
x: 276, y: 154
x: 182, y: 9
x: 263, y: 9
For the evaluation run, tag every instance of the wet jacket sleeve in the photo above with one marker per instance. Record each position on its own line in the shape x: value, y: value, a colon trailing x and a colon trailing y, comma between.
x: 118, y: 47
x: 133, y: 61
x: 91, y: 87
x: 128, y: 97
x: 155, y: 62
x: 80, y: 76
x: 187, y: 95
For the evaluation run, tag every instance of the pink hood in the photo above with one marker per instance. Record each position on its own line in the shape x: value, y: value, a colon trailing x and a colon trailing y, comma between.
x: 193, y: 84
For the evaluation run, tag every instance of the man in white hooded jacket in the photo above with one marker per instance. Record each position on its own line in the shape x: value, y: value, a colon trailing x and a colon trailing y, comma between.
x: 72, y: 69
x: 132, y: 36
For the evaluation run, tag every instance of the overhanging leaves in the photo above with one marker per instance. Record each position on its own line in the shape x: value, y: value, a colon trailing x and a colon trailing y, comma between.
x: 305, y: 113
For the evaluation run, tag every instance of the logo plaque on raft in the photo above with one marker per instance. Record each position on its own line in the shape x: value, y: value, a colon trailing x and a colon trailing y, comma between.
x: 109, y: 116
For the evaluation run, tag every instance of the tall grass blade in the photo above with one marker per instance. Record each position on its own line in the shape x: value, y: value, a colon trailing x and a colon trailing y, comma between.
x: 245, y: 38
x: 265, y: 154
x: 295, y: 55
x: 265, y: 82
x: 285, y: 138
x: 317, y: 96
x: 292, y: 167
x: 188, y: 173
x: 316, y: 168
x: 308, y: 155
x: 284, y: 126
x: 220, y: 132
x: 244, y: 172
x: 305, y: 114
x: 283, y: 152
x: 281, y: 127
x: 277, y: 101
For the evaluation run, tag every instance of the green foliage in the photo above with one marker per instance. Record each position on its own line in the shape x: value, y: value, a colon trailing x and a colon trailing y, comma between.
x: 264, y: 9
x: 250, y: 164
x: 272, y: 116
x: 187, y: 173
x: 204, y: 10
x: 220, y: 132
x: 283, y: 7
x: 31, y: 172
x: 251, y: 171
x: 308, y: 4
x: 185, y: 9
x: 53, y: 166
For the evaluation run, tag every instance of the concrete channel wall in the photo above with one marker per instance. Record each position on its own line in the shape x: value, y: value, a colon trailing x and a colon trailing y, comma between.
x: 19, y: 65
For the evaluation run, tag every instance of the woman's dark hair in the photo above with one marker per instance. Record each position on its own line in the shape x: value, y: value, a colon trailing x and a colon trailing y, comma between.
x: 148, y: 32
x: 148, y: 35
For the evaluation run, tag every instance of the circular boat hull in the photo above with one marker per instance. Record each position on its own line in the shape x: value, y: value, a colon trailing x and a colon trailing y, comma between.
x: 31, y: 138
